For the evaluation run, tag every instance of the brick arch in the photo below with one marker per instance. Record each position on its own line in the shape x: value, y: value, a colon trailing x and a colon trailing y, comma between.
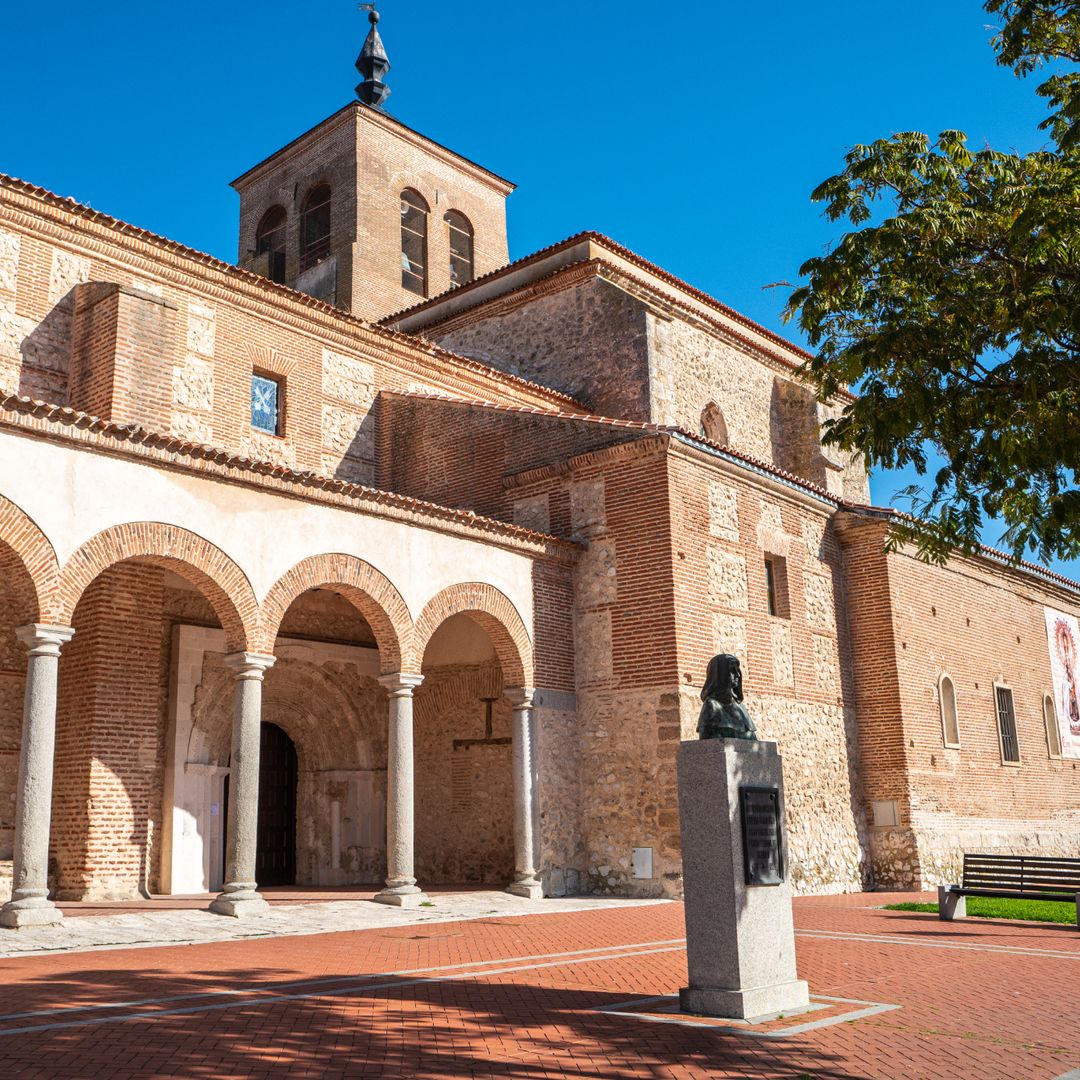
x: 495, y: 613
x: 207, y: 567
x: 368, y: 590
x: 28, y: 565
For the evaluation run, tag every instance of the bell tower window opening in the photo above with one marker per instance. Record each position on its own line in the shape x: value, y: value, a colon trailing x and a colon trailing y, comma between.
x: 270, y: 240
x: 462, y: 269
x: 315, y: 227
x: 414, y: 229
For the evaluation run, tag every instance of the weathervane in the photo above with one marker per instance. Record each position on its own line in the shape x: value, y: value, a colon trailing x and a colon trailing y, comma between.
x: 372, y: 63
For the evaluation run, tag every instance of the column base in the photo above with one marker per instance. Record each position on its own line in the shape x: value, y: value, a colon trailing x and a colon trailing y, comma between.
x: 530, y: 889
x: 745, y: 1004
x: 406, y: 896
x: 240, y: 903
x: 30, y: 911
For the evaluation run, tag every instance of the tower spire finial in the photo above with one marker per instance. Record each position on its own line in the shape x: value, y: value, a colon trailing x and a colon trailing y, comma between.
x: 372, y: 63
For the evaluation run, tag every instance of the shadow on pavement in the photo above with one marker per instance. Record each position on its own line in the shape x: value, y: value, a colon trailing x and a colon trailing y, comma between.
x: 398, y: 1026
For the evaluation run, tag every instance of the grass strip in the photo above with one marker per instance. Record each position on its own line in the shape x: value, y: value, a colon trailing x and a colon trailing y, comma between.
x: 988, y: 907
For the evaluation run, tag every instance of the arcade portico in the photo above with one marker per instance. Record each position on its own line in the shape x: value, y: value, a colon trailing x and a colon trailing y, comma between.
x: 92, y: 542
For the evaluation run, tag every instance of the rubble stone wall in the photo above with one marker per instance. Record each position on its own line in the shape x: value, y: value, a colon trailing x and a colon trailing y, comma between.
x: 464, y: 786
x: 589, y: 341
x: 796, y: 662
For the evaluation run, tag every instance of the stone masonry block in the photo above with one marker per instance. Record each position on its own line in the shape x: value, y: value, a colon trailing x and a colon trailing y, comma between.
x: 344, y: 432
x: 727, y: 579
x: 587, y: 507
x: 9, y: 261
x: 820, y: 606
x: 729, y: 636
x: 814, y: 538
x: 826, y: 665
x: 348, y: 379
x: 193, y: 385
x: 783, y: 672
x: 201, y: 329
x: 723, y: 511
x: 533, y: 513
x: 67, y: 271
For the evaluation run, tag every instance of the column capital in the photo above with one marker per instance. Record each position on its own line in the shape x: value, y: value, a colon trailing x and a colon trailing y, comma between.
x: 521, y: 697
x: 401, y: 684
x: 248, y: 665
x: 44, y: 639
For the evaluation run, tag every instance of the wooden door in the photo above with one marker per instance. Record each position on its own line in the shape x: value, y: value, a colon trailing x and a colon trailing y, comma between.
x: 275, y: 862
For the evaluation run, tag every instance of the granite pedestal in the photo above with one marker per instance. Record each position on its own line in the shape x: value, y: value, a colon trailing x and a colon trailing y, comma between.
x: 740, y: 940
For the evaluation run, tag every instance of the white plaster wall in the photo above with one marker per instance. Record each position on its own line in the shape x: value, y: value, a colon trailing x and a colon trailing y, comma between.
x: 73, y: 495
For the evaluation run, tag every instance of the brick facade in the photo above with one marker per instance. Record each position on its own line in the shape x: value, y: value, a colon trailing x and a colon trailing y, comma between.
x: 981, y: 625
x: 567, y: 490
x: 368, y: 159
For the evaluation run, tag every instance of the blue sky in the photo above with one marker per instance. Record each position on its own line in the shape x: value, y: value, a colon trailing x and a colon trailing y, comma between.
x: 691, y: 132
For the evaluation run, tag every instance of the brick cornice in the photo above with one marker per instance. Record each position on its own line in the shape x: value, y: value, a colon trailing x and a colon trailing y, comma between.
x: 566, y: 277
x: 684, y: 445
x: 682, y: 441
x: 360, y: 113
x: 81, y: 229
x: 648, y: 446
x: 857, y: 519
x: 34, y: 419
x: 589, y: 240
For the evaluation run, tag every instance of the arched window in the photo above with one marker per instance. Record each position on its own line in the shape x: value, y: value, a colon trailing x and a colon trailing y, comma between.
x: 315, y: 227
x: 270, y: 238
x: 461, y: 248
x: 1053, y: 733
x: 950, y: 724
x: 414, y: 225
x: 713, y: 426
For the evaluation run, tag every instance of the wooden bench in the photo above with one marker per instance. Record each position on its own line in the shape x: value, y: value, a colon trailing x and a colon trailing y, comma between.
x: 1012, y: 877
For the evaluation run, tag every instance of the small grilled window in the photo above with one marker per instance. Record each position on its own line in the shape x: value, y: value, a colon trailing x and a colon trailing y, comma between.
x: 950, y: 725
x: 1010, y: 747
x: 1053, y: 732
x: 461, y: 248
x: 270, y: 239
x: 315, y: 227
x: 414, y: 226
x: 267, y: 399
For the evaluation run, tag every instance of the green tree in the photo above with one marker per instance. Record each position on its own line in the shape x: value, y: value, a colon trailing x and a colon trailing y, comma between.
x: 953, y: 307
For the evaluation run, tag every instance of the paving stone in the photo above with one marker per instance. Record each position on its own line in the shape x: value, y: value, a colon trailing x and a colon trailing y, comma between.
x: 464, y: 993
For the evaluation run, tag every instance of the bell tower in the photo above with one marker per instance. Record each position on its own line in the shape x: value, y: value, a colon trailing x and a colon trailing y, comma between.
x: 367, y: 214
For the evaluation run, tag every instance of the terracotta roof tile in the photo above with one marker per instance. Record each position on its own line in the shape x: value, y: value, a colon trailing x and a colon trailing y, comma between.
x: 133, y: 433
x: 271, y: 288
x: 645, y: 429
x: 624, y: 253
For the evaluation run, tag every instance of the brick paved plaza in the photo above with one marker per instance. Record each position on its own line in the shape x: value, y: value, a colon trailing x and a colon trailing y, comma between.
x: 548, y: 995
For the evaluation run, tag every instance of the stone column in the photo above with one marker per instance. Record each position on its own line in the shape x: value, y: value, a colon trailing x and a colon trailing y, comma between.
x: 401, y: 888
x: 240, y: 897
x: 523, y: 764
x: 30, y: 904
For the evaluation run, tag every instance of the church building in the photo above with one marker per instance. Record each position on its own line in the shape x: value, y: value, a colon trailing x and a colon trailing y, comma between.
x: 378, y: 558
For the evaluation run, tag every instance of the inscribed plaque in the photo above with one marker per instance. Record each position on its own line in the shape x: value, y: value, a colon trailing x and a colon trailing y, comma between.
x: 763, y: 848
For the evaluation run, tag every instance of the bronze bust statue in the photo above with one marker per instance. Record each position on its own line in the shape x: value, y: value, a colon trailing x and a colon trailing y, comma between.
x: 722, y: 715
